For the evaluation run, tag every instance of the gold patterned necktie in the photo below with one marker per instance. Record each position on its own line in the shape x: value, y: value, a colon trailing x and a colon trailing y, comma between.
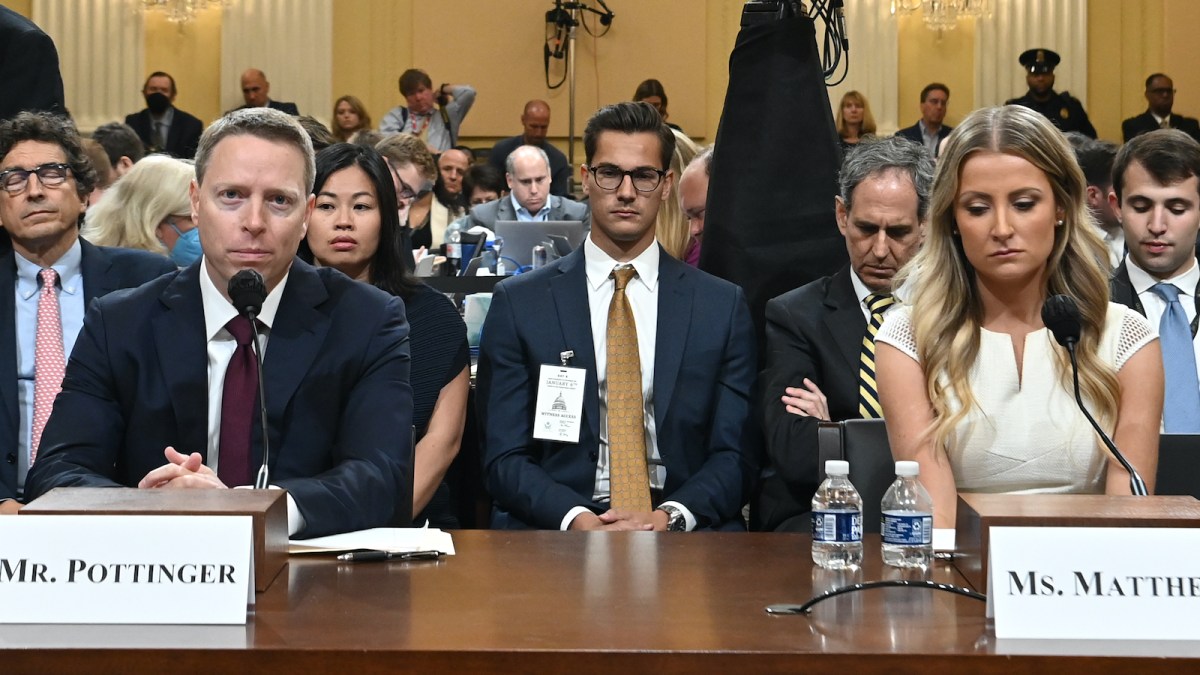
x: 868, y: 394
x: 629, y: 481
x: 1165, y: 123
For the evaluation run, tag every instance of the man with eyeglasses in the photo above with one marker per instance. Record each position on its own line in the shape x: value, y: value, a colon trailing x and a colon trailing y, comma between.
x: 47, y: 278
x: 614, y: 384
x: 527, y: 170
x: 1160, y: 95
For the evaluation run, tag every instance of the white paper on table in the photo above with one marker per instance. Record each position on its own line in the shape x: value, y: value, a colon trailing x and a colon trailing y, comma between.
x: 943, y: 538
x: 391, y: 539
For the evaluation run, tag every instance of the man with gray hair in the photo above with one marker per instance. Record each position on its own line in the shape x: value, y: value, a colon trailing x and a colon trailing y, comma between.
x: 820, y: 337
x: 527, y: 170
x: 161, y: 390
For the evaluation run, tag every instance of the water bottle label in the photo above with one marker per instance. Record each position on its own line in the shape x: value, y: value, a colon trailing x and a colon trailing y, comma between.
x: 452, y: 251
x: 907, y: 529
x: 840, y: 526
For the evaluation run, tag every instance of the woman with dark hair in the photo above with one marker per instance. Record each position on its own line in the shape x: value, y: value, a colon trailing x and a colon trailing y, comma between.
x: 355, y: 228
x: 481, y: 184
x: 651, y: 91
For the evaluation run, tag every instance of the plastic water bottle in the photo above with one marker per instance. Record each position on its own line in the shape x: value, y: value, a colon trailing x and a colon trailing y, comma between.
x: 498, y: 247
x: 538, y: 256
x: 907, y: 526
x: 454, y: 249
x: 837, y: 520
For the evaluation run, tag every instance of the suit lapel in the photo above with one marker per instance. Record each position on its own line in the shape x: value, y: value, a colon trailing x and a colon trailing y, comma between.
x: 179, y: 337
x: 504, y: 210
x: 569, y: 291
x: 675, y: 304
x: 8, y: 344
x: 844, y: 319
x: 295, y: 340
x: 96, y: 266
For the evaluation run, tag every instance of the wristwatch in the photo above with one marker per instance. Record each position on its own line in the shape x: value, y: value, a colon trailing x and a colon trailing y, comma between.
x: 675, y: 520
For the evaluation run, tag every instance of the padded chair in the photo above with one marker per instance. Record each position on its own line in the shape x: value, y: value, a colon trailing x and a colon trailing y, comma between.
x: 1178, y: 465
x: 863, y: 443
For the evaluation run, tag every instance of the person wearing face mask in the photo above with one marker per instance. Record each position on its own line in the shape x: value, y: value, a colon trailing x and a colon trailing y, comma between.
x: 148, y: 209
x: 161, y: 126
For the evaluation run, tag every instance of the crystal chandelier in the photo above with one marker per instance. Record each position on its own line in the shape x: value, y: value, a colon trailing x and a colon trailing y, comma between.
x: 179, y: 11
x: 944, y: 14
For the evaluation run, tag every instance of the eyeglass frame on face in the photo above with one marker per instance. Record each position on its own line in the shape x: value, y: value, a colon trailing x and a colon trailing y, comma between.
x: 406, y: 192
x: 594, y: 171
x: 54, y: 182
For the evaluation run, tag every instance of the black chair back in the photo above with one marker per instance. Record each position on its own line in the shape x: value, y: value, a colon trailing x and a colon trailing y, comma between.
x: 1178, y: 465
x: 863, y: 443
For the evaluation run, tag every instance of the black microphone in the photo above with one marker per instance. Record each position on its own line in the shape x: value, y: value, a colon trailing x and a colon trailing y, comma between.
x: 1061, y: 316
x: 247, y: 291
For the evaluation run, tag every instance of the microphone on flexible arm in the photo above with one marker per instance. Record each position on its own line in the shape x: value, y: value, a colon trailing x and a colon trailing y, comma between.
x: 1061, y: 316
x: 247, y: 291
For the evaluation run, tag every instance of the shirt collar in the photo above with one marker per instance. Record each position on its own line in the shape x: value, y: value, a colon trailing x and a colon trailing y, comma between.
x: 540, y: 215
x: 167, y: 117
x: 861, y: 291
x: 69, y: 269
x: 1160, y: 120
x: 600, y: 265
x: 218, y: 311
x: 1142, y: 281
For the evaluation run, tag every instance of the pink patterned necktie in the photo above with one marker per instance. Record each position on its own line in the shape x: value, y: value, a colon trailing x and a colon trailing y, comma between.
x: 49, y: 362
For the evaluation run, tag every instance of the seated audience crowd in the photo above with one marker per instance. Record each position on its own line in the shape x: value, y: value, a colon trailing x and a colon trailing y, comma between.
x: 619, y: 387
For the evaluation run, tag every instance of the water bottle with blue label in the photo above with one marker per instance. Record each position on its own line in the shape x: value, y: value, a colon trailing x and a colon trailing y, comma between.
x: 837, y: 520
x: 907, y: 528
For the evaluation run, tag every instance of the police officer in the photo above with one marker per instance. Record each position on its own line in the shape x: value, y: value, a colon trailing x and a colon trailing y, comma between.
x: 1063, y: 110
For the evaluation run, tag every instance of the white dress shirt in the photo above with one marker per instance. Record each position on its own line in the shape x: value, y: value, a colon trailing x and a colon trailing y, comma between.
x: 1154, y: 304
x: 221, y: 346
x: 861, y: 292
x: 642, y: 293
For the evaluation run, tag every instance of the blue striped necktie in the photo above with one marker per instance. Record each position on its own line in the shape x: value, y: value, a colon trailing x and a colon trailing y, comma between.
x: 1181, y: 406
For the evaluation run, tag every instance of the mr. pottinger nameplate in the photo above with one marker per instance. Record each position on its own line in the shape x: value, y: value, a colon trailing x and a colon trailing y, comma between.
x: 126, y: 569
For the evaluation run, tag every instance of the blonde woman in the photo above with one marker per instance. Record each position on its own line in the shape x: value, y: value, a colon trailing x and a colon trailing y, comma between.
x: 671, y: 225
x: 149, y: 209
x: 854, y: 120
x: 971, y: 382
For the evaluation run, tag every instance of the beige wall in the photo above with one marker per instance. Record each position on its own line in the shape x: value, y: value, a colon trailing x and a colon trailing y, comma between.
x: 684, y: 43
x: 192, y: 55
x: 22, y: 7
x: 926, y: 56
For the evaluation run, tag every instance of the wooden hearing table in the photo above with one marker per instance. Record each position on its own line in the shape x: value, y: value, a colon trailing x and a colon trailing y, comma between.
x: 546, y: 602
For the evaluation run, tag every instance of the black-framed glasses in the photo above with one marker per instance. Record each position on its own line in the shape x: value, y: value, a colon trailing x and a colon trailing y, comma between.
x: 15, y: 180
x: 644, y: 178
x: 1162, y: 91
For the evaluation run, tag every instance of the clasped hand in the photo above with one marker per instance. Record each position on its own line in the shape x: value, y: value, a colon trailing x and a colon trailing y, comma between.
x: 182, y: 471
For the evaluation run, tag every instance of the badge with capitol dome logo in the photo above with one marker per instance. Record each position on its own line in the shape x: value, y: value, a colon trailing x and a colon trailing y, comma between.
x: 1064, y: 113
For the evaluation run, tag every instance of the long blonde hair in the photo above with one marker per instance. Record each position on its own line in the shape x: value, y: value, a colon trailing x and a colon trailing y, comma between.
x: 946, y: 308
x: 671, y: 224
x: 868, y: 120
x: 129, y: 213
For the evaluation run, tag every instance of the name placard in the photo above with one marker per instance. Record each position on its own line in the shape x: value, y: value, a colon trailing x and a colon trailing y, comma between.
x: 126, y: 569
x: 1101, y: 583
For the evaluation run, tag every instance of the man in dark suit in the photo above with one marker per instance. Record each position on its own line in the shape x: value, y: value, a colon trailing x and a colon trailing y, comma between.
x: 45, y: 178
x: 1063, y: 110
x: 1160, y: 94
x: 662, y: 358
x: 1156, y: 191
x: 29, y: 75
x: 929, y: 130
x: 161, y: 126
x: 256, y: 92
x: 535, y: 121
x: 167, y: 370
x: 815, y: 333
x: 528, y: 175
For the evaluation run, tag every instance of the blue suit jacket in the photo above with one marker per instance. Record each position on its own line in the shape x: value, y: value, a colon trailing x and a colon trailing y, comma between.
x: 339, y: 405
x: 104, y: 271
x: 703, y: 373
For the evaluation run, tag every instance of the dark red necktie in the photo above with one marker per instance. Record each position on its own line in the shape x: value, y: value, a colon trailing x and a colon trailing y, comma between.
x: 238, y: 406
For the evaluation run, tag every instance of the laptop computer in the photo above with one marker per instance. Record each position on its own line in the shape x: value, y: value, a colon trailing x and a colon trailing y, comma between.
x: 520, y: 237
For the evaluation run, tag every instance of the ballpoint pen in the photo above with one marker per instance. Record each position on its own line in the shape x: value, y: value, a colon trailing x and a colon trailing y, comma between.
x: 403, y: 556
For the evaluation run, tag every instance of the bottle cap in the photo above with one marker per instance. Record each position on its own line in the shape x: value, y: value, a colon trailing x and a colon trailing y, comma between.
x: 908, y: 468
x: 837, y: 467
